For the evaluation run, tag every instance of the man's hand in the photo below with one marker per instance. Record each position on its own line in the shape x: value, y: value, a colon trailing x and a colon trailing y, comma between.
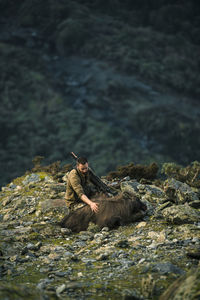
x: 94, y: 207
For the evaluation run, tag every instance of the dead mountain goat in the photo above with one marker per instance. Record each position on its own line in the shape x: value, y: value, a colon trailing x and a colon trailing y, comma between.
x: 113, y: 212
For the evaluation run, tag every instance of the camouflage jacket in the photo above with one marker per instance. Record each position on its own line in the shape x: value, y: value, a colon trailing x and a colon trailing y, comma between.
x: 77, y: 185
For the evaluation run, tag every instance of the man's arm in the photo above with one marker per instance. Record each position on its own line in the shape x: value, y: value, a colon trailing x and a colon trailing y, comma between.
x: 77, y: 187
x: 93, y: 205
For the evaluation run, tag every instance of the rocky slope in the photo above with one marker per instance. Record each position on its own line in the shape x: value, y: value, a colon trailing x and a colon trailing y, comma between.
x: 155, y: 258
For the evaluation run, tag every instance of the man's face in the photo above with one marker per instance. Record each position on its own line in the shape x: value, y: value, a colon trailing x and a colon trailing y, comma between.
x: 83, y: 168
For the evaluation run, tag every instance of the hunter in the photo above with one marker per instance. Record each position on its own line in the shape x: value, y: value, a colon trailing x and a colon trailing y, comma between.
x: 79, y: 188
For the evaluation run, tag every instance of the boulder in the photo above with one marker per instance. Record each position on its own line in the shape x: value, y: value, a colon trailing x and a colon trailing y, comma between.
x: 32, y: 178
x: 179, y: 192
x: 181, y: 214
x: 130, y: 186
x: 152, y: 193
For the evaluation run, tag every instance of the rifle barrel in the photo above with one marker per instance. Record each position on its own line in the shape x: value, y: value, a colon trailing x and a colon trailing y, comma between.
x: 74, y: 155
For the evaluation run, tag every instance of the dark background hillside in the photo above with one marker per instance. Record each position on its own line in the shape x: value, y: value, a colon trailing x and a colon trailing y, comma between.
x: 117, y: 81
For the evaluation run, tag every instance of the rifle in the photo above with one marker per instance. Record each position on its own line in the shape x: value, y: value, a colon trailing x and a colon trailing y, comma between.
x: 96, y: 180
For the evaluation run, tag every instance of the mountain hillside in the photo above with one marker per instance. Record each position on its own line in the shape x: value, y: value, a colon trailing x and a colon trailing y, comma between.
x: 115, y: 81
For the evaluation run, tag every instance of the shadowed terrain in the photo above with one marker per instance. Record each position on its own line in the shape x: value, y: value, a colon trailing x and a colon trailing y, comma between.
x: 115, y: 81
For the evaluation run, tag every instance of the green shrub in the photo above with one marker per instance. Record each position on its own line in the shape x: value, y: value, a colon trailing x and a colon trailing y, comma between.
x: 72, y: 36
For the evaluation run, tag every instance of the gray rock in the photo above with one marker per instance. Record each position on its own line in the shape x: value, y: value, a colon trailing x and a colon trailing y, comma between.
x: 98, y: 236
x: 166, y: 268
x: 12, y: 186
x: 150, y: 207
x: 30, y: 200
x: 7, y: 200
x: 105, y: 229
x: 31, y: 246
x: 196, y: 240
x: 152, y: 190
x: 179, y: 192
x: 103, y: 256
x: 75, y: 285
x: 61, y: 274
x: 126, y: 263
x: 33, y: 178
x: 85, y: 237
x: 79, y: 244
x: 43, y: 283
x: 59, y: 249
x: 68, y: 254
x: 181, y: 214
x: 65, y: 231
x: 163, y: 206
x: 44, y: 269
x: 88, y: 260
x: 129, y: 186
x: 60, y: 289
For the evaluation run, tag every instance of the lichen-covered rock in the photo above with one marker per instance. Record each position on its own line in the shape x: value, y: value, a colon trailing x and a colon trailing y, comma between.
x: 152, y: 192
x: 31, y: 178
x: 181, y: 214
x: 186, y: 287
x: 151, y: 195
x: 159, y: 208
x: 7, y: 200
x: 130, y: 186
x: 167, y: 267
x: 179, y: 192
x: 150, y: 207
x: 159, y: 237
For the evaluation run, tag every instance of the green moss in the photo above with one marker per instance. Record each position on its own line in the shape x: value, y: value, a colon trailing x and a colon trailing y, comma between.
x: 18, y: 180
x: 42, y: 175
x: 34, y: 236
x: 30, y: 276
x: 12, y: 292
x: 126, y: 230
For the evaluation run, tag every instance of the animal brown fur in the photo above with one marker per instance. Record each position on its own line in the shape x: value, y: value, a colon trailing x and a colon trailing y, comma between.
x: 113, y: 212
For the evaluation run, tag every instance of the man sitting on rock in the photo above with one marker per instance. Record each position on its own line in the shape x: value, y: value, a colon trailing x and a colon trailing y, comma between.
x: 79, y: 187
